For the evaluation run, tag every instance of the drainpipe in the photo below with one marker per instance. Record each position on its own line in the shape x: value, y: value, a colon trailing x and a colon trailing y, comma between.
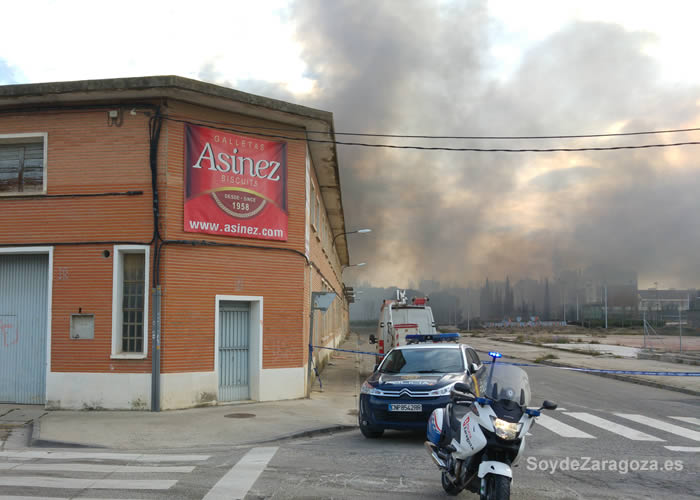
x: 155, y: 349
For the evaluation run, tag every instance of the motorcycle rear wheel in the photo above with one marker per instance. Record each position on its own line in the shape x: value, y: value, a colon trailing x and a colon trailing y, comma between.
x: 497, y: 488
x: 449, y: 487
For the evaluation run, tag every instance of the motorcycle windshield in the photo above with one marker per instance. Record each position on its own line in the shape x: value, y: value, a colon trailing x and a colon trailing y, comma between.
x: 505, y: 383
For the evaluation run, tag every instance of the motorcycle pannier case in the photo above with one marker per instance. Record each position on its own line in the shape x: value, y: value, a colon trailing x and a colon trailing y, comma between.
x: 436, y: 426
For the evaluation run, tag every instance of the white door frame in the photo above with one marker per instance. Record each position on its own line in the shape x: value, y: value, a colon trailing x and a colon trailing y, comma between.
x: 255, y: 330
x: 49, y: 252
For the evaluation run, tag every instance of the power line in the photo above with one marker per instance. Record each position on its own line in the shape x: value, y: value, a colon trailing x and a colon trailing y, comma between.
x: 458, y: 137
x: 443, y: 148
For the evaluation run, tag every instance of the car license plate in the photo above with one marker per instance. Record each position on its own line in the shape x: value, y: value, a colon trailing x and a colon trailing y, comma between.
x: 405, y: 407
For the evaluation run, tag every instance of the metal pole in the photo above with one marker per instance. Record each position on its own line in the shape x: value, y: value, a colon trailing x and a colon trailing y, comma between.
x: 469, y: 306
x: 680, y: 329
x: 155, y: 346
x: 311, y: 349
x: 644, y: 325
x: 606, y: 307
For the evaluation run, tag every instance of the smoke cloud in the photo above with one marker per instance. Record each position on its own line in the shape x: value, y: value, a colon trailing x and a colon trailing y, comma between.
x: 428, y: 68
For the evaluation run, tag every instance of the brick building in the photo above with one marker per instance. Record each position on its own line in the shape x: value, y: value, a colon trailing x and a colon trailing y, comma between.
x: 169, y: 213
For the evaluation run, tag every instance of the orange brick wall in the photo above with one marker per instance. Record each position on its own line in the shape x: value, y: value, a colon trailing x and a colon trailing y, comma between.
x: 82, y: 280
x: 326, y: 268
x: 85, y: 155
x: 193, y: 276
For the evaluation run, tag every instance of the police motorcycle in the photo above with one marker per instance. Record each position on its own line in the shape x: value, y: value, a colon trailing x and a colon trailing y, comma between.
x: 477, y: 437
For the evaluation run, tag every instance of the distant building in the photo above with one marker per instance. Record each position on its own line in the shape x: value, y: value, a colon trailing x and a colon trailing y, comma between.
x: 665, y: 300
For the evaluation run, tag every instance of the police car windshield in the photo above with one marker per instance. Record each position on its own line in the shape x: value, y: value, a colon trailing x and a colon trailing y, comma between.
x: 423, y: 361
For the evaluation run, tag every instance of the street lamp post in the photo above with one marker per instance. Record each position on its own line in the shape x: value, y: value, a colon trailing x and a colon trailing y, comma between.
x: 354, y: 265
x: 351, y: 232
x: 606, y: 306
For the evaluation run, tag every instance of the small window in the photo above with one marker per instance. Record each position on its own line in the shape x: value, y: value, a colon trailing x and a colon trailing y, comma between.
x: 312, y: 208
x: 22, y: 164
x: 317, y: 219
x: 130, y: 302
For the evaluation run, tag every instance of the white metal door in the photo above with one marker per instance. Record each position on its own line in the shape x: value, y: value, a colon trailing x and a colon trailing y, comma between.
x: 23, y: 311
x: 234, y: 351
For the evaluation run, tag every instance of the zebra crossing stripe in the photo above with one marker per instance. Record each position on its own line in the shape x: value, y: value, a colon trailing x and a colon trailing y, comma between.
x: 613, y: 427
x: 13, y: 497
x: 80, y: 484
x: 685, y: 449
x: 561, y: 428
x: 662, y: 426
x: 80, y: 467
x: 688, y: 420
x: 71, y: 455
x: 237, y: 482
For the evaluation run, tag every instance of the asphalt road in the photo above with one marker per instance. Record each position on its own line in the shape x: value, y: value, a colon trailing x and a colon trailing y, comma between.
x: 346, y: 465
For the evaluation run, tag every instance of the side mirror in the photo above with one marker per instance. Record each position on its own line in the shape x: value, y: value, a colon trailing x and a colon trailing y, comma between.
x: 475, y: 368
x: 381, y: 325
x: 548, y: 405
x: 372, y: 339
x: 462, y: 387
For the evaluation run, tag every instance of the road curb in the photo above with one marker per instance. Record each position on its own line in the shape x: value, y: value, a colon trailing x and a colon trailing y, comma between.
x: 308, y: 433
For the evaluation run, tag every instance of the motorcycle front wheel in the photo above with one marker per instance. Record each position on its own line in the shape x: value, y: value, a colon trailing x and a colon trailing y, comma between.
x: 497, y: 488
x: 449, y: 487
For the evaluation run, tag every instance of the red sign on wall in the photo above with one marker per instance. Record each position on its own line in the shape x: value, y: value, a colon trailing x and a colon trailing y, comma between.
x: 235, y: 185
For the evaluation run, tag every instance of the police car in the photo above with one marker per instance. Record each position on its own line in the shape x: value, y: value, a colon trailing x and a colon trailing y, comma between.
x: 410, y: 382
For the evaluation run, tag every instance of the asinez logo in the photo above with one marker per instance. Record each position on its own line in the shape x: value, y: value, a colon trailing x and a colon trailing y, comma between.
x: 230, y: 177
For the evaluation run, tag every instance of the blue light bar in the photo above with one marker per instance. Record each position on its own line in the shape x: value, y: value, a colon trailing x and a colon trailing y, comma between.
x: 436, y: 337
x: 495, y: 354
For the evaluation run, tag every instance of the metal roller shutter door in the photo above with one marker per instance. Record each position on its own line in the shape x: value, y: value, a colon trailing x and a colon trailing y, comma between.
x: 23, y: 324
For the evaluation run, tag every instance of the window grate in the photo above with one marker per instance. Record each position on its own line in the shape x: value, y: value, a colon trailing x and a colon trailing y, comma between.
x: 133, y: 302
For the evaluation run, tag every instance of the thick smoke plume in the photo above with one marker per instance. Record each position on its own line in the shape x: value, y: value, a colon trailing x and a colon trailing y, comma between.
x: 427, y: 68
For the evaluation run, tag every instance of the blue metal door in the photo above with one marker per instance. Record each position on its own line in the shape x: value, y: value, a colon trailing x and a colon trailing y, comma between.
x: 23, y: 311
x: 234, y: 342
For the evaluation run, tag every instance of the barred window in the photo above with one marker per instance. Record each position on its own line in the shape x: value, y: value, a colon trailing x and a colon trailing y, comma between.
x: 130, y: 301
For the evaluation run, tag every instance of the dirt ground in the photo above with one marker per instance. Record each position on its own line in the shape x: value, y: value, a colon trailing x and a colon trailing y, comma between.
x: 613, y: 336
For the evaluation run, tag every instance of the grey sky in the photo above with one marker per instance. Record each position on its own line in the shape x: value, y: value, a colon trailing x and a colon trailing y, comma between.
x: 461, y: 216
x: 445, y: 67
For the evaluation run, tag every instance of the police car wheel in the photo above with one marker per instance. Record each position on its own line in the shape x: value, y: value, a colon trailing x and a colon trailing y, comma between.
x: 370, y: 432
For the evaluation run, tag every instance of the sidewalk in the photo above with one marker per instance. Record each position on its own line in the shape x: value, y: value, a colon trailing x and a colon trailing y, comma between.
x: 331, y: 409
x: 528, y: 352
x: 334, y: 408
